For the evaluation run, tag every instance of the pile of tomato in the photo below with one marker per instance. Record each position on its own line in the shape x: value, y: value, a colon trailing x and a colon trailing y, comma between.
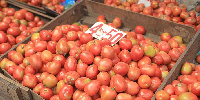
x: 15, y: 26
x: 167, y: 9
x: 186, y: 87
x: 66, y: 63
x: 54, y: 5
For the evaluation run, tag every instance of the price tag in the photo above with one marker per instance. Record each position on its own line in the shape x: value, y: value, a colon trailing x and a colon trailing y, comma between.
x: 100, y: 30
x: 147, y: 3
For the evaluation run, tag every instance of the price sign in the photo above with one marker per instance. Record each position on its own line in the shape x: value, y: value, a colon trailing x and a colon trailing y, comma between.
x: 100, y: 30
x: 147, y: 3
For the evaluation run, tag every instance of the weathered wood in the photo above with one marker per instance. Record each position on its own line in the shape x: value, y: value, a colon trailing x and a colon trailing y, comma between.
x: 17, y: 6
x: 25, y: 5
x: 131, y: 19
x: 188, y: 56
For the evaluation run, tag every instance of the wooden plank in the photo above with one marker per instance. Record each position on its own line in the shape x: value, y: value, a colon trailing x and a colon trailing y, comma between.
x: 44, y: 16
x: 131, y: 19
x: 35, y: 8
x: 188, y: 56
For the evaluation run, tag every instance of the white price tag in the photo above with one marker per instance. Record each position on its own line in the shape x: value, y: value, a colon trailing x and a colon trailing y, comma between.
x: 147, y: 3
x: 100, y: 30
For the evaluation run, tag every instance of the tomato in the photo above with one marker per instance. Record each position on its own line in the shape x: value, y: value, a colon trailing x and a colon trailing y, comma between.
x: 146, y: 94
x: 50, y: 81
x: 170, y: 89
x: 118, y: 82
x: 85, y: 38
x: 143, y: 61
x: 62, y: 47
x: 132, y: 88
x: 117, y: 22
x: 108, y: 52
x: 46, y: 56
x: 55, y: 97
x: 72, y: 36
x: 81, y: 68
x: 103, y: 78
x: 37, y: 88
x: 53, y: 67
x: 155, y: 83
x: 35, y: 61
x: 40, y: 24
x: 140, y: 30
x: 11, y: 69
x: 190, y: 20
x: 10, y: 12
x: 40, y: 46
x: 125, y: 96
x: 186, y: 69
x: 147, y: 70
x: 74, y: 27
x: 92, y: 71
x: 125, y: 56
x: 70, y: 64
x: 187, y: 96
x: 195, y: 88
x: 133, y: 73
x: 45, y: 35
x: 167, y: 11
x: 137, y: 53
x: 46, y: 93
x: 121, y: 68
x: 147, y: 11
x: 166, y: 57
x: 18, y: 73
x: 14, y: 31
x: 92, y: 88
x: 29, y: 80
x: 10, y: 39
x: 70, y: 77
x: 95, y: 49
x: 180, y: 88
x: 51, y: 46
x: 29, y: 70
x: 43, y: 76
x: 157, y: 59
x: 162, y: 95
x: 144, y: 81
x: 101, y: 17
x: 81, y: 82
x: 107, y: 93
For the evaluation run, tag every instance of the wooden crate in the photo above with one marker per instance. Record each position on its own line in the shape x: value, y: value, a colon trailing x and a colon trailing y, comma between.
x: 36, y: 8
x: 154, y: 27
x: 188, y: 55
x: 17, y: 6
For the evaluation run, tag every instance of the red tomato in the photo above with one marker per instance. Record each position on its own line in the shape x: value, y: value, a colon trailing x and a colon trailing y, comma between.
x: 146, y: 94
x: 132, y: 88
x: 180, y: 88
x: 62, y: 47
x: 92, y: 72
x: 187, y: 96
x: 144, y: 81
x: 117, y: 22
x: 87, y: 57
x: 103, y: 78
x: 29, y: 80
x: 196, y: 88
x: 51, y: 46
x: 122, y: 96
x: 29, y: 70
x: 147, y: 70
x: 143, y: 61
x: 170, y: 89
x: 81, y: 68
x: 18, y: 73
x: 35, y: 61
x: 53, y: 67
x: 162, y: 95
x: 56, y: 35
x: 133, y: 73
x: 81, y: 82
x: 40, y: 46
x: 118, y: 82
x: 37, y: 88
x: 46, y: 93
x: 70, y: 64
x: 164, y: 46
x: 108, y: 52
x: 85, y: 38
x: 155, y: 83
x: 139, y: 30
x: 121, y: 68
x: 125, y: 56
x: 137, y: 53
x: 50, y: 81
x: 4, y: 47
x: 92, y: 88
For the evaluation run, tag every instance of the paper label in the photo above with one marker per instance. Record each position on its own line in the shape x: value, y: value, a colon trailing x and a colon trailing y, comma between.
x: 100, y: 30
